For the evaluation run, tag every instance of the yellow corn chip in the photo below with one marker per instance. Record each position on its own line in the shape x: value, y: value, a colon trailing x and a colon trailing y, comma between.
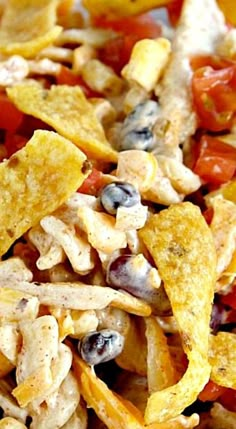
x: 66, y: 109
x: 35, y: 181
x: 114, y: 412
x: 5, y: 366
x: 180, y: 422
x: 33, y: 386
x: 28, y: 26
x: 116, y: 8
x: 222, y: 355
x: 228, y: 275
x: 227, y: 191
x: 134, y: 354
x: 160, y: 369
x: 228, y: 8
x: 182, y: 247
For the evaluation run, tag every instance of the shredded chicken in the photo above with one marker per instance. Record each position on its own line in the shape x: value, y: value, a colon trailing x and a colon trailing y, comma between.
x: 197, y: 33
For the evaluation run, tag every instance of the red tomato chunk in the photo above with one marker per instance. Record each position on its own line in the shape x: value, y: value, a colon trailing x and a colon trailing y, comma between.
x: 211, y: 392
x: 214, y: 96
x: 92, y: 184
x: 216, y: 162
x: 230, y: 298
x: 117, y: 51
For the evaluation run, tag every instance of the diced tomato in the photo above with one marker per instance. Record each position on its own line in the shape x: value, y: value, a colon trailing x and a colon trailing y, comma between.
x: 92, y: 184
x: 14, y: 142
x: 214, y: 61
x: 116, y: 52
x: 216, y: 162
x: 67, y: 77
x: 211, y: 392
x: 214, y: 97
x: 208, y: 215
x: 10, y: 117
x: 143, y: 26
x: 230, y: 298
x: 228, y: 399
x: 174, y: 10
x: 30, y: 124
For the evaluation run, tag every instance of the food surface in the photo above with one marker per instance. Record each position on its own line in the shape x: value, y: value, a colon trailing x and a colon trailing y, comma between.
x: 117, y: 214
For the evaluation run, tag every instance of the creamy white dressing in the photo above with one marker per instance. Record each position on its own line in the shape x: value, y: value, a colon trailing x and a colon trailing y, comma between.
x: 197, y: 33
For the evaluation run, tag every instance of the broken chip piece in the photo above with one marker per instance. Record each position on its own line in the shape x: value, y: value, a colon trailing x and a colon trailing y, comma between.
x: 34, y: 177
x: 28, y: 26
x: 182, y: 247
x: 66, y: 109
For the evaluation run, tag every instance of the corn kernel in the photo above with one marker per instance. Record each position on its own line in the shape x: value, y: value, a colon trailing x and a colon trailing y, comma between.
x: 101, y: 78
x: 148, y: 60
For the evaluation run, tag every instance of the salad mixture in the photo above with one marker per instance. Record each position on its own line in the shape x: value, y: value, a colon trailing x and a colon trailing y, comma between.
x: 118, y: 214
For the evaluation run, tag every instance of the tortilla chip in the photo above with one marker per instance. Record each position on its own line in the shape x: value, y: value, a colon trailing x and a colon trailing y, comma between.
x: 66, y: 109
x: 160, y: 370
x: 5, y: 366
x: 116, y: 8
x: 227, y: 191
x: 28, y: 26
x: 9, y: 404
x: 35, y: 181
x: 182, y: 247
x: 33, y: 386
x: 223, y: 227
x: 114, y: 412
x: 228, y: 8
x: 180, y: 422
x: 134, y: 354
x: 228, y: 275
x: 222, y: 356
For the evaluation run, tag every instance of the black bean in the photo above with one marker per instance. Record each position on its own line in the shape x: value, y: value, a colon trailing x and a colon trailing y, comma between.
x: 136, y: 132
x: 118, y: 194
x: 101, y: 346
x: 139, y: 139
x: 124, y: 273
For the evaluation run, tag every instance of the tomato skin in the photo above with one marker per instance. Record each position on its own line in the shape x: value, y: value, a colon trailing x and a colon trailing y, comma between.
x: 14, y: 142
x: 211, y: 392
x: 208, y: 215
x: 214, y: 97
x: 67, y: 77
x: 11, y: 117
x: 228, y: 399
x: 174, y: 10
x: 214, y: 61
x: 116, y: 52
x: 143, y: 26
x: 230, y: 298
x: 216, y: 163
x: 92, y: 184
